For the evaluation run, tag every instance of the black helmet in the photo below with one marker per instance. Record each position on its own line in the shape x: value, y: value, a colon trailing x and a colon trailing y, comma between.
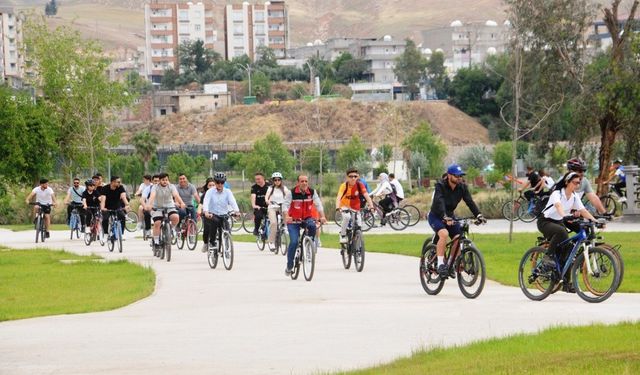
x: 219, y: 177
x: 576, y: 164
x: 89, y: 182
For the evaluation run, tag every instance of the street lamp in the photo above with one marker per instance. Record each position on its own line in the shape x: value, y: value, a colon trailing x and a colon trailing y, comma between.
x: 248, y: 69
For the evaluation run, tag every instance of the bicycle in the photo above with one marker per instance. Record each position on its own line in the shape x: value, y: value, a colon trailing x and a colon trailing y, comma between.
x: 223, y: 240
x: 511, y: 209
x: 398, y: 218
x: 131, y: 221
x: 540, y: 275
x: 355, y: 243
x: 163, y: 249
x: 187, y: 231
x: 95, y: 227
x: 305, y: 253
x: 263, y: 231
x: 282, y: 237
x: 114, y: 230
x: 75, y: 220
x: 466, y: 264
x: 39, y: 221
x: 414, y: 213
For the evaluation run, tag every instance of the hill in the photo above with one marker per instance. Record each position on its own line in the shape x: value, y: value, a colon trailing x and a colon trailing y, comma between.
x: 330, y: 120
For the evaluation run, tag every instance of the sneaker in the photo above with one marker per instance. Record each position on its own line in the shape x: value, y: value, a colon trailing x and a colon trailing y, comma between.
x: 288, y: 271
x: 205, y: 247
x: 443, y: 271
x: 46, y: 234
x: 343, y: 239
x: 567, y: 286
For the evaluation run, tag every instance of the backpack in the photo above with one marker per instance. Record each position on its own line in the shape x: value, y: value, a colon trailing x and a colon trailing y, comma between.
x: 361, y: 188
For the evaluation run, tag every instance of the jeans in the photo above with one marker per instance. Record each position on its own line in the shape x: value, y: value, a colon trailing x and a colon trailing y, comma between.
x: 294, y: 236
x: 184, y: 211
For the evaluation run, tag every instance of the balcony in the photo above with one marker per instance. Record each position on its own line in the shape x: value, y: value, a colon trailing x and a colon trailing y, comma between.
x: 160, y: 59
x: 276, y: 20
x: 162, y: 45
x: 156, y: 32
x: 274, y: 33
x: 161, y: 19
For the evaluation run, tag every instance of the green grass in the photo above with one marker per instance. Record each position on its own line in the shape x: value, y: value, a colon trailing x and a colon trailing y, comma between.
x: 35, y: 283
x: 595, y: 349
x: 23, y: 227
x: 501, y: 257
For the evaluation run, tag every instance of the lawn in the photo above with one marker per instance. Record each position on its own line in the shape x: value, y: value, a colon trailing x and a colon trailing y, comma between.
x: 501, y: 257
x: 36, y: 283
x: 23, y: 227
x: 595, y: 349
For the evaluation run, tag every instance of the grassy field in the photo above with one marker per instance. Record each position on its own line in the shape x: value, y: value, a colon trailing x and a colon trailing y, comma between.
x: 36, y: 283
x: 593, y: 349
x: 501, y: 257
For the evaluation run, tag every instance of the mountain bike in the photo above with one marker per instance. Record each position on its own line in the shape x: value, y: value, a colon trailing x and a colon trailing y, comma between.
x: 39, y: 221
x: 305, y: 254
x: 593, y: 271
x: 75, y: 221
x: 114, y: 230
x: 354, y: 248
x: 95, y: 227
x: 464, y: 263
x: 163, y: 249
x: 223, y: 245
x: 187, y: 231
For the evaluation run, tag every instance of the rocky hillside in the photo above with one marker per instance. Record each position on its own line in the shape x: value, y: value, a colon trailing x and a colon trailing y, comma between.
x: 328, y: 120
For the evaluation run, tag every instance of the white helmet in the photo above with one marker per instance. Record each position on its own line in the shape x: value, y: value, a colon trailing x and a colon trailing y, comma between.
x: 276, y: 175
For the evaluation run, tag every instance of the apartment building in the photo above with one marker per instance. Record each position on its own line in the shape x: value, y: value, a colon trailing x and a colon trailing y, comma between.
x: 167, y: 25
x: 380, y: 55
x: 250, y: 26
x: 11, y: 59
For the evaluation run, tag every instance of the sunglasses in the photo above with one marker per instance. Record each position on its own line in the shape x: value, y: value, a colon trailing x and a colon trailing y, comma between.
x: 277, y: 179
x: 219, y: 183
x: 353, y: 176
x: 576, y: 182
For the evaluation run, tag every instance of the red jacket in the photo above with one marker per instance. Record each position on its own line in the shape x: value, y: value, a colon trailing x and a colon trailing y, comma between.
x: 302, y: 206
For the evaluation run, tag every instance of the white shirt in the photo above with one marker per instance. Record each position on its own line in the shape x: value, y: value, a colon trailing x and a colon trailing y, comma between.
x: 383, y: 188
x: 548, y: 182
x: 399, y: 189
x: 276, y: 196
x: 573, y: 203
x: 43, y: 196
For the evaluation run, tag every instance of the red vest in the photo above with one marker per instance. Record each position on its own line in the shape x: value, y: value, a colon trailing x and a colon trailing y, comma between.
x: 302, y: 206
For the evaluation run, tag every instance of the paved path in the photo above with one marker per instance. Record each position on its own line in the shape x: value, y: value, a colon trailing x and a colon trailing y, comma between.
x: 254, y: 320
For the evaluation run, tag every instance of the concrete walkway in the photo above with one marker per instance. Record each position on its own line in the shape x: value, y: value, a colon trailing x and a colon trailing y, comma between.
x: 254, y: 320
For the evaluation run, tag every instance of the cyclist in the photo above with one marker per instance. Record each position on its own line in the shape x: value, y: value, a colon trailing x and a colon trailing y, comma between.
x: 534, y: 181
x: 113, y: 197
x: 98, y: 180
x: 209, y: 184
x: 216, y: 204
x: 580, y: 166
x: 90, y: 202
x: 398, y: 186
x: 448, y: 193
x: 188, y: 193
x: 275, y: 197
x: 301, y: 204
x: 146, y: 183
x: 74, y: 200
x: 547, y: 181
x: 144, y: 198
x: 163, y: 196
x: 617, y: 170
x: 45, y: 197
x: 348, y: 197
x: 554, y: 222
x: 258, y: 202
x: 387, y: 190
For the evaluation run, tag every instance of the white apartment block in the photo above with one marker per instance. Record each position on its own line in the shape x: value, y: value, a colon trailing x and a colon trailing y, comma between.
x: 380, y: 56
x: 167, y: 25
x: 250, y: 26
x: 11, y: 59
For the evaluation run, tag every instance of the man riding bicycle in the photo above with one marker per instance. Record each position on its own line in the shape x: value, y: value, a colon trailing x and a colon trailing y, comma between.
x: 448, y: 193
x: 617, y: 171
x: 74, y: 200
x: 113, y: 197
x: 188, y: 193
x: 258, y: 201
x: 164, y: 196
x: 45, y: 198
x: 386, y: 189
x: 348, y: 198
x: 215, y: 206
x: 580, y: 167
x: 90, y: 202
x: 303, y: 205
x: 534, y: 181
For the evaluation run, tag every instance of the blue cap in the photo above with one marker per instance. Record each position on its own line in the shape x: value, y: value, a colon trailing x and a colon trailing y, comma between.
x: 455, y: 170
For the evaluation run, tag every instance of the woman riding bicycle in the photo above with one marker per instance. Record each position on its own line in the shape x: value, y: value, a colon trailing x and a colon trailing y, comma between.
x: 386, y: 189
x: 275, y: 198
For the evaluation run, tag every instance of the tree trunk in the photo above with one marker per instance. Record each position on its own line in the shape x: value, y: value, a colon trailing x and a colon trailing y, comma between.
x: 608, y: 129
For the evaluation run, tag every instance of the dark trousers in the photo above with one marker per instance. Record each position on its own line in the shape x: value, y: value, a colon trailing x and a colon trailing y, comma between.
x: 206, y: 228
x: 147, y: 220
x: 215, y: 225
x: 618, y: 188
x: 105, y: 221
x: 258, y: 216
x: 387, y: 204
x: 89, y: 213
x: 556, y: 232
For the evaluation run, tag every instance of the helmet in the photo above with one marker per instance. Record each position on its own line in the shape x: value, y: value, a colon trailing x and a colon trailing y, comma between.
x: 455, y: 170
x: 276, y: 175
x: 576, y: 164
x: 89, y: 182
x: 219, y: 177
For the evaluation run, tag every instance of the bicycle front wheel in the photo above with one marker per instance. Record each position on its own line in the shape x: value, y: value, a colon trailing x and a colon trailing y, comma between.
x: 595, y: 279
x: 414, y: 214
x: 247, y: 222
x: 212, y: 256
x: 510, y: 212
x: 609, y: 204
x: 616, y: 253
x: 192, y: 235
x: 166, y: 234
x: 358, y: 251
x: 131, y: 221
x: 227, y: 250
x: 119, y: 236
x: 39, y: 232
x: 346, y: 256
x: 471, y: 272
x: 368, y: 220
x: 399, y: 219
x: 429, y: 278
x: 525, y: 213
x: 284, y: 242
x: 308, y: 258
x: 181, y: 236
x: 536, y: 279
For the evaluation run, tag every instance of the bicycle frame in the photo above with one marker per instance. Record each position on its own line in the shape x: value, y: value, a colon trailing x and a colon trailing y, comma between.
x: 461, y: 239
x: 583, y: 240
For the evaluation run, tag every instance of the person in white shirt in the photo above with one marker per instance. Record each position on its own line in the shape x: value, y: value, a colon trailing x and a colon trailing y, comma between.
x: 275, y: 198
x: 399, y: 190
x: 384, y: 189
x: 45, y: 198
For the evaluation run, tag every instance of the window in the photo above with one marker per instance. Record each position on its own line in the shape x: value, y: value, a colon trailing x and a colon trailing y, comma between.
x: 260, y: 29
x: 215, y: 96
x: 259, y: 16
x: 202, y: 108
x: 197, y: 27
x: 238, y: 41
x: 163, y: 112
x: 197, y: 14
x: 184, y: 15
x: 238, y: 29
x: 237, y: 15
x: 183, y: 29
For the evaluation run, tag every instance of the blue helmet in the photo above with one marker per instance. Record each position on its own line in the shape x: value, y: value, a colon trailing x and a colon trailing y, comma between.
x: 455, y: 170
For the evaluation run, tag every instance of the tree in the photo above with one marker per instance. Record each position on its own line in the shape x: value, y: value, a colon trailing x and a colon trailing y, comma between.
x: 410, y: 67
x: 422, y: 140
x: 128, y: 167
x: 145, y: 144
x: 350, y: 153
x: 476, y: 156
x: 266, y: 57
x: 181, y: 163
x: 351, y: 71
x: 437, y: 75
x: 310, y: 159
x: 51, y: 8
x: 471, y: 91
x: 170, y: 79
x: 384, y: 154
x: 196, y: 62
x: 136, y: 84
x: 70, y: 74
x: 260, y: 86
x: 269, y: 155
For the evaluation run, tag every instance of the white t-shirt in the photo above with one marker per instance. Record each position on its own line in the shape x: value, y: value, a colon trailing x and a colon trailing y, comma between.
x: 548, y: 182
x: 43, y: 196
x: 573, y: 203
x: 399, y: 189
x: 276, y: 196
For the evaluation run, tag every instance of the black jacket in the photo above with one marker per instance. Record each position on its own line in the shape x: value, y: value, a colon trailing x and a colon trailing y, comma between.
x: 446, y: 200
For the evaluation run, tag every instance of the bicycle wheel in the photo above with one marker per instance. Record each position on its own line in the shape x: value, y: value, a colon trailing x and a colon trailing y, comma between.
x: 536, y: 279
x: 181, y: 236
x: 368, y: 220
x: 609, y: 204
x: 358, y: 250
x: 173, y: 237
x: 525, y: 213
x: 247, y: 222
x: 39, y: 232
x: 167, y: 240
x: 100, y: 235
x: 260, y: 241
x: 234, y: 225
x: 200, y: 225
x: 429, y: 278
x: 131, y: 221
x: 72, y: 223
x: 414, y: 214
x: 615, y: 250
x: 399, y: 219
x: 296, y: 263
x: 119, y: 236
x: 284, y: 242
x: 192, y: 235
x: 346, y: 256
x: 212, y: 257
x: 308, y: 257
x: 88, y: 237
x: 596, y: 281
x: 227, y: 250
x: 471, y: 272
x: 509, y: 211
x: 337, y: 218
